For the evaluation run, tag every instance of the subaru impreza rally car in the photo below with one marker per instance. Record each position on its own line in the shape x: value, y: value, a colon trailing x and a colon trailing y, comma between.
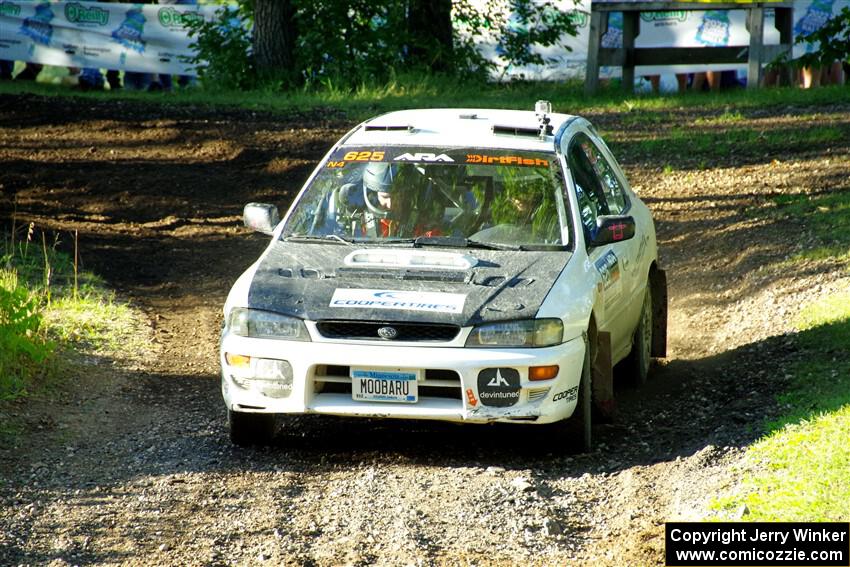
x: 461, y: 265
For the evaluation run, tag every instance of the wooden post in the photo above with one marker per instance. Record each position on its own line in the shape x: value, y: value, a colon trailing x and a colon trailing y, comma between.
x: 591, y: 81
x: 631, y: 29
x: 784, y: 22
x: 755, y: 22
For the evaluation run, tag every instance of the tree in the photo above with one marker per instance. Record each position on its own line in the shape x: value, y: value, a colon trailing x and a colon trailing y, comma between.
x: 274, y: 39
x: 431, y: 35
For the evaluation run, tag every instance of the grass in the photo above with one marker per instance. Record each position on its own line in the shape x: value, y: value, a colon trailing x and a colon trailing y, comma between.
x: 433, y: 91
x: 48, y: 307
x: 827, y: 216
x: 738, y: 141
x: 801, y: 470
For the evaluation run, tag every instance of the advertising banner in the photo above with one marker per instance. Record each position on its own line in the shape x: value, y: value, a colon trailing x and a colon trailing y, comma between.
x: 153, y: 37
x: 128, y: 37
x: 709, y: 28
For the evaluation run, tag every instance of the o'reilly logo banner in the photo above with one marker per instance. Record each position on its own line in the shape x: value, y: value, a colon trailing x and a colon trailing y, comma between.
x: 76, y: 13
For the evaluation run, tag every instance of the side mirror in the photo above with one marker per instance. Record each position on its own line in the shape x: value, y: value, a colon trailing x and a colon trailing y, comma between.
x: 261, y: 217
x: 613, y: 228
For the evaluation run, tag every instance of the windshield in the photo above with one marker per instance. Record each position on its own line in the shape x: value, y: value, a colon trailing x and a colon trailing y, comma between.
x: 502, y: 198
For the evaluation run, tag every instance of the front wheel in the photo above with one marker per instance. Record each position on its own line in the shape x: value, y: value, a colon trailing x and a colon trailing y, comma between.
x: 251, y: 428
x: 640, y: 358
x: 580, y: 423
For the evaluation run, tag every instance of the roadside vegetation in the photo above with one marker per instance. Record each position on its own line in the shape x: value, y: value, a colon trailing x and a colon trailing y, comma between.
x: 800, y: 471
x: 49, y: 308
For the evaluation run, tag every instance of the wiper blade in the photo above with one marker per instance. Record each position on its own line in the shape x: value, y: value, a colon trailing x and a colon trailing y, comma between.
x: 325, y: 239
x: 460, y: 242
x: 542, y: 247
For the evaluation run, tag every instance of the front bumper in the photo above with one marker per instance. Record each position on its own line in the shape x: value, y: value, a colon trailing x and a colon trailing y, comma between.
x: 448, y: 387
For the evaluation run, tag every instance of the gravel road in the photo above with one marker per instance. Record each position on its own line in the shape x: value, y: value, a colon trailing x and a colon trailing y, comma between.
x: 131, y: 463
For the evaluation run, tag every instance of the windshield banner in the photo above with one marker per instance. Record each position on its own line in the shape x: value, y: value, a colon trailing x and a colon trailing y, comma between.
x: 448, y: 156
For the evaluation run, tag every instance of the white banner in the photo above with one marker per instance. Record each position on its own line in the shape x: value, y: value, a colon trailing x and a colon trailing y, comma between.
x: 153, y: 37
x: 664, y: 29
x: 129, y: 37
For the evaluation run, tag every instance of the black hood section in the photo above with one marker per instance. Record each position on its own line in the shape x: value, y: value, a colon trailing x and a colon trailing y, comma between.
x: 300, y: 279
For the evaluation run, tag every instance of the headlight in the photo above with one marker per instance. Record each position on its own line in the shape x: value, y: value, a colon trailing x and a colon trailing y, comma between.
x: 266, y: 325
x: 527, y: 333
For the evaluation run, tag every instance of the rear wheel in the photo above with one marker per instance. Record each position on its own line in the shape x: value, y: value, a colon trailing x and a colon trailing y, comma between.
x: 251, y: 428
x: 640, y: 358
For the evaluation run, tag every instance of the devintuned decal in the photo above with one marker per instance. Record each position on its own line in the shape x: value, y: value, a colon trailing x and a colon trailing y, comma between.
x: 498, y: 387
x: 434, y: 302
x: 609, y: 268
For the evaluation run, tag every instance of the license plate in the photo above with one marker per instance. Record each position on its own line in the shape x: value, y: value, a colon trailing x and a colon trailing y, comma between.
x: 398, y: 386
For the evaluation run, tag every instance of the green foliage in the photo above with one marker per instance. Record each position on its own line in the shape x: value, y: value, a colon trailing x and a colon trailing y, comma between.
x: 350, y: 42
x: 346, y: 43
x: 45, y: 304
x: 827, y: 216
x: 23, y: 345
x: 222, y: 50
x: 803, y: 466
x: 833, y: 40
x: 542, y: 24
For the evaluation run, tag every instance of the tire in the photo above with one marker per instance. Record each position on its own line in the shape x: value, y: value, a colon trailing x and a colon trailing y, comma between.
x: 640, y: 358
x: 248, y: 429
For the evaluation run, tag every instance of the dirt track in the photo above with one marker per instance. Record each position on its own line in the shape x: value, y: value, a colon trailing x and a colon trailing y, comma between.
x: 133, y: 465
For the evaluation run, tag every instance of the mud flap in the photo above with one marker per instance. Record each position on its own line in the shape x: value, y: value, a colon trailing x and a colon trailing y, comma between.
x: 658, y: 289
x: 603, y: 378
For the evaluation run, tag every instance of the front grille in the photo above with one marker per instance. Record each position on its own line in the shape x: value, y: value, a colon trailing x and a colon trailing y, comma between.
x: 438, y: 383
x: 415, y: 332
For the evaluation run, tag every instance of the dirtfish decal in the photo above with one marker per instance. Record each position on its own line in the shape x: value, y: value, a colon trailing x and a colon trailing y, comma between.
x: 10, y: 10
x: 172, y: 18
x: 679, y: 15
x: 38, y: 27
x: 76, y: 13
x: 129, y: 33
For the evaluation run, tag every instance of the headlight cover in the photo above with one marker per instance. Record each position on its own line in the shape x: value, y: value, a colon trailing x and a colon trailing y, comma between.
x: 524, y: 333
x: 266, y: 325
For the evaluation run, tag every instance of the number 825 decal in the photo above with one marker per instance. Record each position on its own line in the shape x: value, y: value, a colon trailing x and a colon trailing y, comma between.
x: 363, y: 156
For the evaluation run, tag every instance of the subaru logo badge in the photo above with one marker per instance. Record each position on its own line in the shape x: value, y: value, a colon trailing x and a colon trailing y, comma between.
x: 388, y: 333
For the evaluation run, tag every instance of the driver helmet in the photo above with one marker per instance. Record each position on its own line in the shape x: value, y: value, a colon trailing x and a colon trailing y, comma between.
x: 378, y: 177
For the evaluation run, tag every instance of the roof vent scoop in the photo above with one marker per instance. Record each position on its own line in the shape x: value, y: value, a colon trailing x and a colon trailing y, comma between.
x: 389, y: 127
x: 542, y: 108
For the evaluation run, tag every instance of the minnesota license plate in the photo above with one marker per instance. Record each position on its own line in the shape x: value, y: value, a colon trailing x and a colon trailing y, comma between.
x: 399, y: 386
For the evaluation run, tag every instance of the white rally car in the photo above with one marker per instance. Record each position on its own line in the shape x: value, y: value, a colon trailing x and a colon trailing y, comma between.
x: 461, y: 265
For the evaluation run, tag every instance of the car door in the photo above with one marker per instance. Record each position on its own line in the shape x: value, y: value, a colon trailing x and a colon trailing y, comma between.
x: 599, y: 191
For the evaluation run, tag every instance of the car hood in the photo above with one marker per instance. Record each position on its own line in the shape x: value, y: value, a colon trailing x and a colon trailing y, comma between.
x: 320, y: 281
